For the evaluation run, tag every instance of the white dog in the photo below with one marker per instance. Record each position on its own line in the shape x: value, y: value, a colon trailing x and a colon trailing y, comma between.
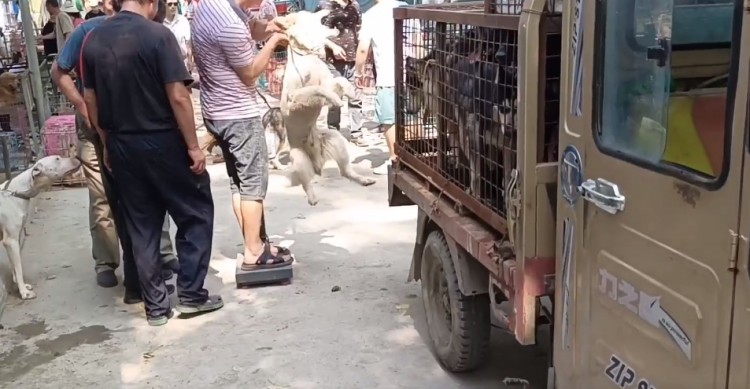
x: 308, y: 86
x: 14, y: 208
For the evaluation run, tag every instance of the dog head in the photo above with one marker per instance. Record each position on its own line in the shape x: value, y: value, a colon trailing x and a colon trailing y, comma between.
x: 306, y: 31
x: 53, y: 168
x: 10, y: 86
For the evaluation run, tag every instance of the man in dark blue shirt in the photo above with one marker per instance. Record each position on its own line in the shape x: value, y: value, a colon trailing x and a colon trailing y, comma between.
x: 136, y: 95
x: 102, y: 197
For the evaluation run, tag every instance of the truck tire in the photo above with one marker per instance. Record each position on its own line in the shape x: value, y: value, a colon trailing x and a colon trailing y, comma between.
x: 459, y: 325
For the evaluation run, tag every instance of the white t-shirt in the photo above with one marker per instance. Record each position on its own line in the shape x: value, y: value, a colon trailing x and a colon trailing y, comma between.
x: 180, y: 27
x: 377, y: 27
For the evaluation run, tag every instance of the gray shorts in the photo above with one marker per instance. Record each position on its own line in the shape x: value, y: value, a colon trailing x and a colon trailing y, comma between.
x: 243, y: 144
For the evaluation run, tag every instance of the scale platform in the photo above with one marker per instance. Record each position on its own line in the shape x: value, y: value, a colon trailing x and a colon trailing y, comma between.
x: 277, y: 275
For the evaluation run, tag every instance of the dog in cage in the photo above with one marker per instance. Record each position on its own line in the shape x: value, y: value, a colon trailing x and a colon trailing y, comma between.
x: 484, y: 92
x: 10, y: 87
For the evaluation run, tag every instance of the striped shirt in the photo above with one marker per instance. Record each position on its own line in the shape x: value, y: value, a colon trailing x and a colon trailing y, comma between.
x: 221, y: 44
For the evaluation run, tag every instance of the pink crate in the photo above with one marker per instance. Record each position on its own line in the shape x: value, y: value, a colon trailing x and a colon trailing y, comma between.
x: 59, y: 134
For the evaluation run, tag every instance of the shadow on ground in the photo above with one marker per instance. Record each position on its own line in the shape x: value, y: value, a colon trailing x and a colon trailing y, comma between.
x: 348, y: 320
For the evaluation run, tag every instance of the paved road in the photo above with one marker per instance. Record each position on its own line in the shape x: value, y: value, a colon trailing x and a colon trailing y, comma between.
x: 368, y: 335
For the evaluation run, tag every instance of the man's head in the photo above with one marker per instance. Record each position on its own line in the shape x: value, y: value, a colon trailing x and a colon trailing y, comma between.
x: 109, y: 7
x: 171, y: 8
x: 53, y: 7
x: 94, y: 5
x: 150, y: 9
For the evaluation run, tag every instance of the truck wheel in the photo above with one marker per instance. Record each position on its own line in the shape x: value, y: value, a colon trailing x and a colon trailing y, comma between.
x: 459, y: 325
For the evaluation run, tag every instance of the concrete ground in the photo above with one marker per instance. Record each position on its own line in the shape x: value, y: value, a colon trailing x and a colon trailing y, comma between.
x: 368, y: 334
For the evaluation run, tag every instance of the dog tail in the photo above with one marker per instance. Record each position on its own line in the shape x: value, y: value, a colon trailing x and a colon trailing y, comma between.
x: 313, y: 97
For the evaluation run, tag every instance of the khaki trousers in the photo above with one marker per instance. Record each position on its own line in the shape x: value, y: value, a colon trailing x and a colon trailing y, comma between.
x: 105, y: 246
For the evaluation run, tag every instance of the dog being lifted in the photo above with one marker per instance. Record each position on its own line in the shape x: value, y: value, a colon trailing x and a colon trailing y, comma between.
x: 308, y: 86
x: 14, y: 208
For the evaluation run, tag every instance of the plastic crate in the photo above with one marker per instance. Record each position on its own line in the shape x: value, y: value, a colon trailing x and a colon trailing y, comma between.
x: 59, y: 135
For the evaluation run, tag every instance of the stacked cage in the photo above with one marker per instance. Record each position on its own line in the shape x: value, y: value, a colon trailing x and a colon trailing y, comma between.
x: 458, y: 102
x: 16, y: 121
x: 59, y: 133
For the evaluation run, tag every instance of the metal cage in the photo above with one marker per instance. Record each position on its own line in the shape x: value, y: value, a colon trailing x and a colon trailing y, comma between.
x: 458, y: 101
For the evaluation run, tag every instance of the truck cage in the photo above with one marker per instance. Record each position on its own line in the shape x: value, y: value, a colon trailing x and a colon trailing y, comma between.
x: 476, y: 139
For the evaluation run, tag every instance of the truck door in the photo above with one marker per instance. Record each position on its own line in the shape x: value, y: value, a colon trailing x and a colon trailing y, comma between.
x: 739, y: 374
x: 648, y: 204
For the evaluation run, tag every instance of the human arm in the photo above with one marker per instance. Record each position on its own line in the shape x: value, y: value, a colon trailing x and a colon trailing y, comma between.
x: 89, y: 96
x: 175, y: 77
x: 65, y: 24
x: 337, y: 51
x: 363, y: 50
x: 66, y: 61
x: 237, y: 46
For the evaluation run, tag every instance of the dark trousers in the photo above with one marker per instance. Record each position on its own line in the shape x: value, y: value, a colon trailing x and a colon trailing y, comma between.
x: 346, y: 70
x: 130, y: 273
x: 153, y: 178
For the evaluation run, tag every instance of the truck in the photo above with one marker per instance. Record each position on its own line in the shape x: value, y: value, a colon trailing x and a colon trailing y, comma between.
x: 581, y: 164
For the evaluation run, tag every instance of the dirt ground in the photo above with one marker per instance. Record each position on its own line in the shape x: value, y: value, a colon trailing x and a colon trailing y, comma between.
x: 369, y: 334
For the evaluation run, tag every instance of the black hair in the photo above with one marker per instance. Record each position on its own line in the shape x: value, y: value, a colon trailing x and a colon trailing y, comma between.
x: 161, y: 11
x: 52, y: 3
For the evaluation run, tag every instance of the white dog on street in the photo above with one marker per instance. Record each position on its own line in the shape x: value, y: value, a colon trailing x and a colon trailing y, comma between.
x: 14, y: 208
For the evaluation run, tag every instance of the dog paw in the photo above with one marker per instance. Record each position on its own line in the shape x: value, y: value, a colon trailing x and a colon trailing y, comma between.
x: 367, y: 181
x: 27, y: 294
x: 28, y: 287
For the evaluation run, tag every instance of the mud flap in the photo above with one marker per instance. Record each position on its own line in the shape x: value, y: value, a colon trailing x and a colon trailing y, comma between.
x: 473, y: 278
x: 396, y: 197
x: 416, y: 257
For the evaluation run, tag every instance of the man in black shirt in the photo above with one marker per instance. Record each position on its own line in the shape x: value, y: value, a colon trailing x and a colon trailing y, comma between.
x: 135, y: 90
x: 95, y: 9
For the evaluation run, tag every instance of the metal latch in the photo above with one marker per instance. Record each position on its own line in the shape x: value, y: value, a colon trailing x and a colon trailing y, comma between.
x: 604, y: 195
x: 660, y: 52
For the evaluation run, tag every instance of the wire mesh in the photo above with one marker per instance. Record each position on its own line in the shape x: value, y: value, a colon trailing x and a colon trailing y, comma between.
x: 459, y: 109
x: 16, y: 122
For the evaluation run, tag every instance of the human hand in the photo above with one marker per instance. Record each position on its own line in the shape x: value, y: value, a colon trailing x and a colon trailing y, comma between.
x: 105, y: 156
x: 338, y: 52
x: 278, y: 39
x: 84, y: 112
x: 198, y: 160
x: 276, y: 25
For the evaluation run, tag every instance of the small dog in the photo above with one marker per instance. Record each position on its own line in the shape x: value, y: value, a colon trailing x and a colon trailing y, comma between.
x: 14, y: 206
x: 308, y: 86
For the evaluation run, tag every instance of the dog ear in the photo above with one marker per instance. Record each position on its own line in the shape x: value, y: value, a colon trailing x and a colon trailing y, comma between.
x: 36, y: 171
x: 322, y: 13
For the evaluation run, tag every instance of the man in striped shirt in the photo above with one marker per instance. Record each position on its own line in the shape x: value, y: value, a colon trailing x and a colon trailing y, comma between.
x: 223, y: 41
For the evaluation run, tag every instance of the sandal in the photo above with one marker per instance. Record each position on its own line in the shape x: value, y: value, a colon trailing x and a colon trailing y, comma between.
x: 212, y: 303
x: 267, y: 260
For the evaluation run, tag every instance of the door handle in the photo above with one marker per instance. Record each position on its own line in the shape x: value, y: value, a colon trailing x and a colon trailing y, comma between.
x: 603, y: 194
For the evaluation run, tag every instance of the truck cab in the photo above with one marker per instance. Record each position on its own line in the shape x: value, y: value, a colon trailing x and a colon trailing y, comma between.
x: 583, y: 164
x: 652, y: 283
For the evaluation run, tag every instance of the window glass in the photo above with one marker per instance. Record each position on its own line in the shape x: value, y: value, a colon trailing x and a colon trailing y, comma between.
x: 657, y: 107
